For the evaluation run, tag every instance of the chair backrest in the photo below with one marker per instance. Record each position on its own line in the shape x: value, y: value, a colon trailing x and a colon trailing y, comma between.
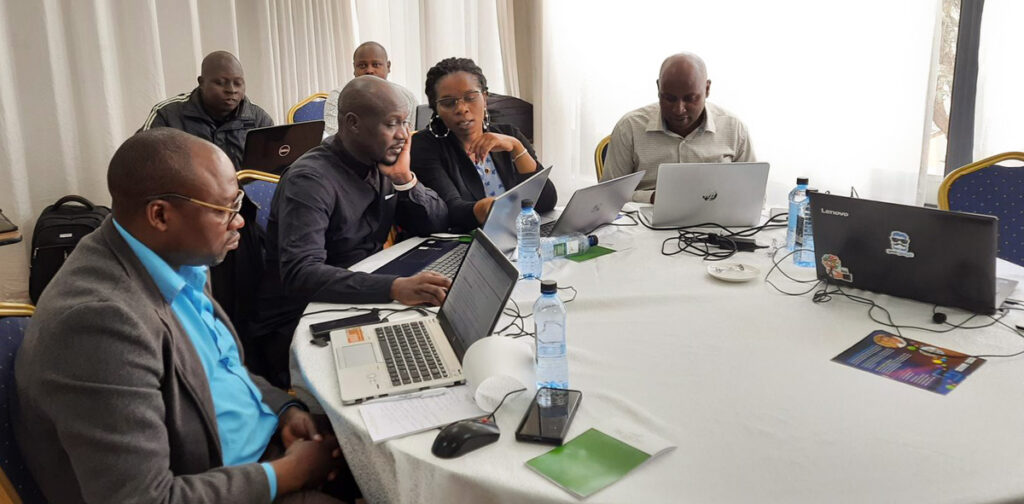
x: 310, y: 109
x: 259, y: 187
x: 985, y: 187
x: 14, y: 476
x: 511, y: 110
x: 599, y: 154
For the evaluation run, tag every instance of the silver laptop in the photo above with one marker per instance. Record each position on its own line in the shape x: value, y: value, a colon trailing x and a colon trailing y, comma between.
x: 593, y: 206
x: 500, y: 225
x: 727, y: 194
x: 400, y: 357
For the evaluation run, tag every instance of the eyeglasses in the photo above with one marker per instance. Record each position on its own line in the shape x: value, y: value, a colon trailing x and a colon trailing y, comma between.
x: 451, y: 103
x: 231, y: 211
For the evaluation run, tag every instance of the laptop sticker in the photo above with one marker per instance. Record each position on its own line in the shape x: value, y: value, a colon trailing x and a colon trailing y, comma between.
x: 834, y: 268
x: 355, y: 334
x: 899, y: 243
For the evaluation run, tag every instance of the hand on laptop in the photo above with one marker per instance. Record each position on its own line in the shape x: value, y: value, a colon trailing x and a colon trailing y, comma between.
x: 481, y: 208
x: 422, y: 288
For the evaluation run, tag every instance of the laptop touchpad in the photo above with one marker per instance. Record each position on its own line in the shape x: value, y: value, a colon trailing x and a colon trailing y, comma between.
x: 358, y: 355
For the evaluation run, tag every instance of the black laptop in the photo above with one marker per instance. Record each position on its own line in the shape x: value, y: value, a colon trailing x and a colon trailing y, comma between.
x: 274, y: 148
x: 935, y: 256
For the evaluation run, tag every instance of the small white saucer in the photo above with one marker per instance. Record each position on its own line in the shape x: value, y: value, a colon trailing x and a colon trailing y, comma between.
x: 733, y: 272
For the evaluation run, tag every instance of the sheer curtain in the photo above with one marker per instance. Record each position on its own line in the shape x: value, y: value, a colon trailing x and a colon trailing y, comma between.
x: 998, y: 126
x: 833, y: 91
x: 77, y: 77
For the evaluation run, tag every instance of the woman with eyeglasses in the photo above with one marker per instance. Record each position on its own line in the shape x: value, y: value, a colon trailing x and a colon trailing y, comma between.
x: 461, y: 155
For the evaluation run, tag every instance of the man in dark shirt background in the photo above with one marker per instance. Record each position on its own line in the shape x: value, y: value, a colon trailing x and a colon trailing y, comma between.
x: 334, y: 207
x: 217, y: 110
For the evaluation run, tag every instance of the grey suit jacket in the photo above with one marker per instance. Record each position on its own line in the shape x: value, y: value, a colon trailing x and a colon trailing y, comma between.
x: 113, y: 402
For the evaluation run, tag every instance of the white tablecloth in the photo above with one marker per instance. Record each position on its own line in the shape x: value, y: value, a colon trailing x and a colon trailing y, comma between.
x: 739, y: 377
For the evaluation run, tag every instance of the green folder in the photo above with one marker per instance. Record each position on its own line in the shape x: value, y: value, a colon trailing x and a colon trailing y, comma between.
x: 591, y: 461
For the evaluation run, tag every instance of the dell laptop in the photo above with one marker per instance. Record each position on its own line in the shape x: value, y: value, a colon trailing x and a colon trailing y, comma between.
x: 689, y: 194
x: 274, y: 148
x: 593, y: 206
x: 936, y: 256
x: 400, y: 357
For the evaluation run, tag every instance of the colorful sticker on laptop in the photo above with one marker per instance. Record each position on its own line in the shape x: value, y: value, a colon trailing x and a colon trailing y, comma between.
x: 899, y: 244
x: 355, y: 334
x: 834, y: 268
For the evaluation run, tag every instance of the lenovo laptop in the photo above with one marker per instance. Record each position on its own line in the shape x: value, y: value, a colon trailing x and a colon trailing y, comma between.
x: 593, y: 206
x: 274, y: 148
x: 936, y: 256
x: 727, y: 194
x: 399, y: 357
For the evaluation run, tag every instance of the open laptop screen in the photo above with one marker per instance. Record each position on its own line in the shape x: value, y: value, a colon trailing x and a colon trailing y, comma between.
x: 478, y: 294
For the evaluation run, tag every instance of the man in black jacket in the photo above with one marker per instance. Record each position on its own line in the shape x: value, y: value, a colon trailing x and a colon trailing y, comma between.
x: 217, y: 110
x: 334, y: 207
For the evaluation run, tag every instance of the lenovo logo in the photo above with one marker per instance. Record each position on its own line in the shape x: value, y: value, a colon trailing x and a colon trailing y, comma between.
x: 710, y: 196
x: 835, y: 212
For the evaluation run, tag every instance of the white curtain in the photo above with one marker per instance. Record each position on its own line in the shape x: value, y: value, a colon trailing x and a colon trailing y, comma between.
x: 831, y: 90
x: 999, y: 114
x: 78, y: 77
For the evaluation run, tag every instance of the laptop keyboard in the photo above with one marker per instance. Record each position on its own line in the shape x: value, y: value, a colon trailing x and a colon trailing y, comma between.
x: 448, y: 264
x: 409, y: 353
x: 547, y: 228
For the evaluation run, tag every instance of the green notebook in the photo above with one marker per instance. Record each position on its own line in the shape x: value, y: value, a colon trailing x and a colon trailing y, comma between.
x: 594, y: 460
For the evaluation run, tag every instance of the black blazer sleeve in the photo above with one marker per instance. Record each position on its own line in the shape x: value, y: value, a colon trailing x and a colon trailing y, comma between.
x: 442, y: 165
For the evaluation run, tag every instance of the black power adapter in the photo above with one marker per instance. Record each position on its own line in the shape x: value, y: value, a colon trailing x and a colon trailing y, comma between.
x: 731, y: 243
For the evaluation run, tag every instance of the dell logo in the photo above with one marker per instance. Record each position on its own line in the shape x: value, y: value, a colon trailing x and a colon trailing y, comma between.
x: 284, y: 150
x: 835, y: 212
x: 710, y: 196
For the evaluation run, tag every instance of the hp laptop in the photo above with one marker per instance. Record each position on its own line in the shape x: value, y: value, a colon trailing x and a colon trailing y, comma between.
x: 445, y: 256
x: 274, y: 148
x: 935, y: 256
x: 593, y: 206
x: 728, y: 194
x: 399, y: 357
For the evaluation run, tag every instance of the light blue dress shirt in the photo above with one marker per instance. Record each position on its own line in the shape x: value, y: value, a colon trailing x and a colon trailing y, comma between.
x: 244, y: 423
x: 489, y: 176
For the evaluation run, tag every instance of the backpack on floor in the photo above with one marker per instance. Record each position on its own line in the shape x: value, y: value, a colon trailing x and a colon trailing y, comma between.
x: 58, y: 230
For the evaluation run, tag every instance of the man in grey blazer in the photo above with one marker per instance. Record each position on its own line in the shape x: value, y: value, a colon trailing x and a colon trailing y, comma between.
x: 130, y: 383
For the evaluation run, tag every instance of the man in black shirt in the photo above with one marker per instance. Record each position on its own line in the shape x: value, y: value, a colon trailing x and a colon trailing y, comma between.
x: 217, y: 110
x: 334, y: 207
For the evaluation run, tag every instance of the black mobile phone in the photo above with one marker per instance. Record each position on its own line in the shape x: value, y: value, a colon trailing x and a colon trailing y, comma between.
x: 549, y: 422
x: 322, y: 331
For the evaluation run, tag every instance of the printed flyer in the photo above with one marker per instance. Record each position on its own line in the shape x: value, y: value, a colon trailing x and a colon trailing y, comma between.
x: 912, y: 362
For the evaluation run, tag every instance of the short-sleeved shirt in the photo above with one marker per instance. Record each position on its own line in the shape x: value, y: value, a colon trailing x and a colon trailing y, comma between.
x: 640, y: 141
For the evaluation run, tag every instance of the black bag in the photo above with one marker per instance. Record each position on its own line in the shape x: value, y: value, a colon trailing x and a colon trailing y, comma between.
x: 57, y: 231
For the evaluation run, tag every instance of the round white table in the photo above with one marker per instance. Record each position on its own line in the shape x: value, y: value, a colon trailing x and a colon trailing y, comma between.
x: 739, y: 377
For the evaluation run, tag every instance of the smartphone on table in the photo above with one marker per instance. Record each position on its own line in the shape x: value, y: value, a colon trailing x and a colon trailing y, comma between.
x: 547, y: 420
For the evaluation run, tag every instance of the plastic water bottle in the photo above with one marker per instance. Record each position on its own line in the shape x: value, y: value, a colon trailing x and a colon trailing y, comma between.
x: 565, y: 245
x: 528, y: 234
x: 796, y: 197
x: 551, y: 362
x: 804, y: 239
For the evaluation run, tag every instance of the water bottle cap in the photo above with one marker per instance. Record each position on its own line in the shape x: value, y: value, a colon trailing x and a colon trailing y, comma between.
x: 548, y: 287
x: 801, y: 181
x: 527, y: 203
x: 592, y: 239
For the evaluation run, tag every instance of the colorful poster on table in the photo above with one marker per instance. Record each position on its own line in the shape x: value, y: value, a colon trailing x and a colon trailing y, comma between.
x: 912, y: 362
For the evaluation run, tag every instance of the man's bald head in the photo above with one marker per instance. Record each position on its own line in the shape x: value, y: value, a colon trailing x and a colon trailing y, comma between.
x: 370, y: 114
x: 221, y: 84
x: 217, y: 61
x: 151, y: 162
x: 370, y: 58
x: 683, y: 86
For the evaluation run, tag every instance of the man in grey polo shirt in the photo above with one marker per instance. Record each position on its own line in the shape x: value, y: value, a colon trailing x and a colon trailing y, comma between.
x: 370, y: 58
x: 681, y: 128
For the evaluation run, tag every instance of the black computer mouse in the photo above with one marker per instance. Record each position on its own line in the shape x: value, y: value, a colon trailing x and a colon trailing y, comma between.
x: 464, y: 436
